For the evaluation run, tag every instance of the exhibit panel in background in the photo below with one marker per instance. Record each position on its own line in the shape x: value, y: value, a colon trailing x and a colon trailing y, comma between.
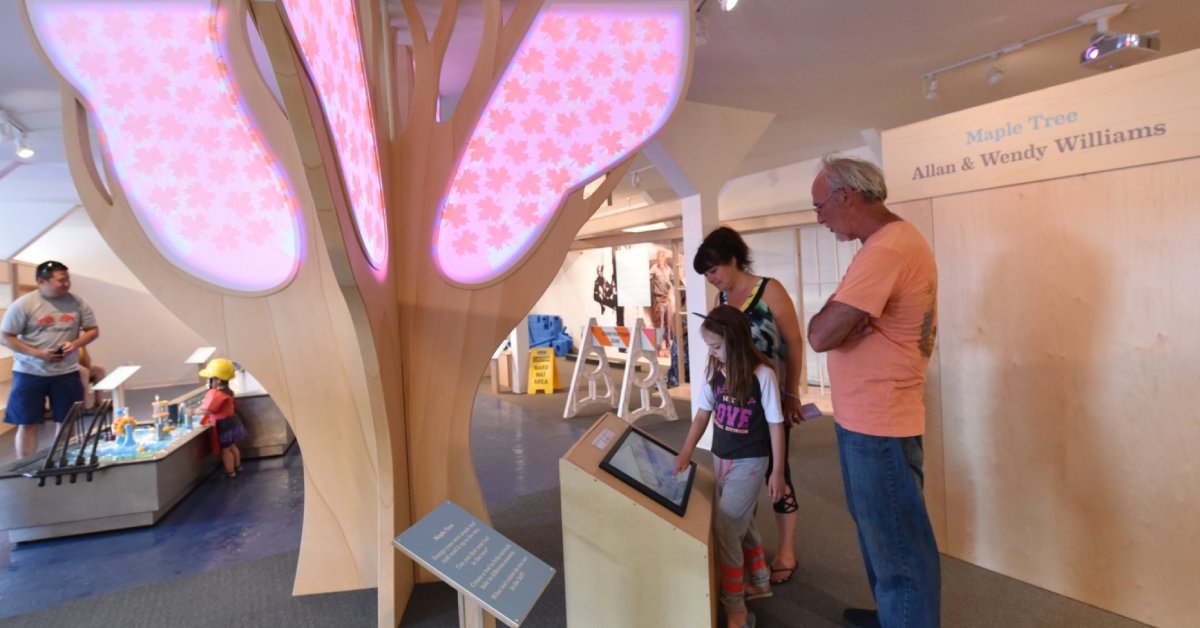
x: 1137, y: 115
x: 1068, y: 378
x: 573, y: 294
x: 584, y: 288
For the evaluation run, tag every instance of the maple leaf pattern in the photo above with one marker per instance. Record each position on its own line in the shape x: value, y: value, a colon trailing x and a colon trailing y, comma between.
x: 174, y: 131
x: 498, y: 235
x: 258, y: 231
x: 517, y: 93
x: 469, y: 181
x: 588, y: 85
x: 227, y: 238
x: 534, y: 123
x: 490, y: 210
x: 527, y: 213
x: 529, y: 184
x: 454, y: 213
x: 466, y: 243
x: 329, y: 37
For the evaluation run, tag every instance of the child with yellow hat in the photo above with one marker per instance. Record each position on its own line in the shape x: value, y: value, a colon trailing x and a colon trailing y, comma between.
x: 218, y: 407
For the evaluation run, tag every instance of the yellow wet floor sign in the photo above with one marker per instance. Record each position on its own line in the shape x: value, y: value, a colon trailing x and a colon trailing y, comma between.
x: 543, y: 371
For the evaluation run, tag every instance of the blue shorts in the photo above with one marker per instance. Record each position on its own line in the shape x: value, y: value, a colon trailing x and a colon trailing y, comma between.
x: 27, y: 400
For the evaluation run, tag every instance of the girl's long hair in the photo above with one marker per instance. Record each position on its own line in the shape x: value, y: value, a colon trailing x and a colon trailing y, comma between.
x: 741, y: 357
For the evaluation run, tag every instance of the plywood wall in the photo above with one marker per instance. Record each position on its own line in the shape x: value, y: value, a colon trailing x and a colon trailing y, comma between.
x: 920, y: 214
x: 1069, y: 384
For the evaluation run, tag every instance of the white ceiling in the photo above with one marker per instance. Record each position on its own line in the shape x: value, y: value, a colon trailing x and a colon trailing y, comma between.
x: 827, y: 68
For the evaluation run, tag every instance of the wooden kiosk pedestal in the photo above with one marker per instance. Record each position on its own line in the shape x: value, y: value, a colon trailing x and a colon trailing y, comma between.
x: 628, y: 561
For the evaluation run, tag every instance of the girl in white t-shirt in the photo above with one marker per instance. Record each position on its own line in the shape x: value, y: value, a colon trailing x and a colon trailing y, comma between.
x: 742, y: 393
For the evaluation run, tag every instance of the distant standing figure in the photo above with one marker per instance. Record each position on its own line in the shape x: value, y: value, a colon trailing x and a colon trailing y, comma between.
x: 45, y: 329
x: 879, y: 330
x: 218, y: 409
x: 662, y: 284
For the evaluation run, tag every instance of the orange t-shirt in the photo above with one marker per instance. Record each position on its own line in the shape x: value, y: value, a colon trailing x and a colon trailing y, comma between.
x: 878, y: 380
x: 217, y: 405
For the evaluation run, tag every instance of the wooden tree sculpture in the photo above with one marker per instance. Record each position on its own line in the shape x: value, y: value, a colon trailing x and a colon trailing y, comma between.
x: 359, y: 253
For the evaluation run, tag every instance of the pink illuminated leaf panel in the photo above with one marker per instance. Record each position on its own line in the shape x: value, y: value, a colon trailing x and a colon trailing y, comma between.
x: 329, y: 41
x: 174, y: 129
x: 590, y: 83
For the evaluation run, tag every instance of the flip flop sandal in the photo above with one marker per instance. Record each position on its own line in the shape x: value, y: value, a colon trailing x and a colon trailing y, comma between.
x: 757, y: 595
x: 784, y: 570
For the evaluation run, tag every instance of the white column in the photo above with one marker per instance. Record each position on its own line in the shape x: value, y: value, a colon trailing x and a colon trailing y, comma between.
x: 697, y: 153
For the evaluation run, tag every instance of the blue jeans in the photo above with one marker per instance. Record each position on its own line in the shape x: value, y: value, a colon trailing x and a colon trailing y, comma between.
x: 884, y: 478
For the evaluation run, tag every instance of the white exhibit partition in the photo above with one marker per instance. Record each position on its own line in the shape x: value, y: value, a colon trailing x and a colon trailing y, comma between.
x: 591, y: 347
x: 642, y: 347
x: 628, y: 561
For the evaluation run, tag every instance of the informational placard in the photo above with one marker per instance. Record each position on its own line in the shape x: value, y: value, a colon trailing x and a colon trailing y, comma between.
x: 543, y: 371
x: 1146, y: 113
x: 633, y: 276
x: 482, y: 564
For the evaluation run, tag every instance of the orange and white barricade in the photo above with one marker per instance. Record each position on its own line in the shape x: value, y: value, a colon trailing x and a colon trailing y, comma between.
x: 595, y: 339
x: 645, y: 347
x: 641, y: 343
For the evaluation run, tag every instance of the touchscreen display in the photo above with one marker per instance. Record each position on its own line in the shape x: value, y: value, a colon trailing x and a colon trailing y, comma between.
x: 648, y: 466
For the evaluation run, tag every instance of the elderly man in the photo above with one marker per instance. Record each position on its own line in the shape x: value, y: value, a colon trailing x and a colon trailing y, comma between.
x: 45, y: 328
x: 878, y: 329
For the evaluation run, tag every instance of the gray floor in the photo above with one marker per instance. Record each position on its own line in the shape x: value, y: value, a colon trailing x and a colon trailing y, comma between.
x: 516, y: 442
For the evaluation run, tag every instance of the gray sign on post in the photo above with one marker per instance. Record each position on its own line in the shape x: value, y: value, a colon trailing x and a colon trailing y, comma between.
x: 486, y: 568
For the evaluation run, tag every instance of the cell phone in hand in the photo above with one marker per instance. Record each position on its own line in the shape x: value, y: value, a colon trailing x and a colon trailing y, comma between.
x: 810, y: 411
x: 59, y: 350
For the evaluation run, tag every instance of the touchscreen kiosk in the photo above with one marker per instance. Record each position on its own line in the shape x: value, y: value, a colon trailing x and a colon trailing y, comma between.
x: 636, y: 537
x: 649, y: 466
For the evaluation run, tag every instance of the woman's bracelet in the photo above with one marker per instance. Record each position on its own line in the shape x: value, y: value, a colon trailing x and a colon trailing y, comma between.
x: 792, y: 395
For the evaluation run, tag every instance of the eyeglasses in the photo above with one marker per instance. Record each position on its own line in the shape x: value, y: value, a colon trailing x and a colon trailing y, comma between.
x: 821, y: 205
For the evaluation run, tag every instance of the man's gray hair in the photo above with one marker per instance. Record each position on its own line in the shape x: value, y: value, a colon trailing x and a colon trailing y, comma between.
x: 861, y: 176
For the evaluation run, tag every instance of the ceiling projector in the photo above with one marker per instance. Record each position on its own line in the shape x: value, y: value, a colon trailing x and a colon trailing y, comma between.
x: 1109, y: 51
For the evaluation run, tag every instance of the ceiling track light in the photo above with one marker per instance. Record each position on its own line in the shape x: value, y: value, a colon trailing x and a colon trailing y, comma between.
x: 995, y: 73
x: 24, y: 151
x: 10, y: 130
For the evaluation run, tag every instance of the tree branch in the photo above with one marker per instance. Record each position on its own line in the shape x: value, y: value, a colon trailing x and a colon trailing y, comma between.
x: 425, y: 80
x: 483, y: 73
